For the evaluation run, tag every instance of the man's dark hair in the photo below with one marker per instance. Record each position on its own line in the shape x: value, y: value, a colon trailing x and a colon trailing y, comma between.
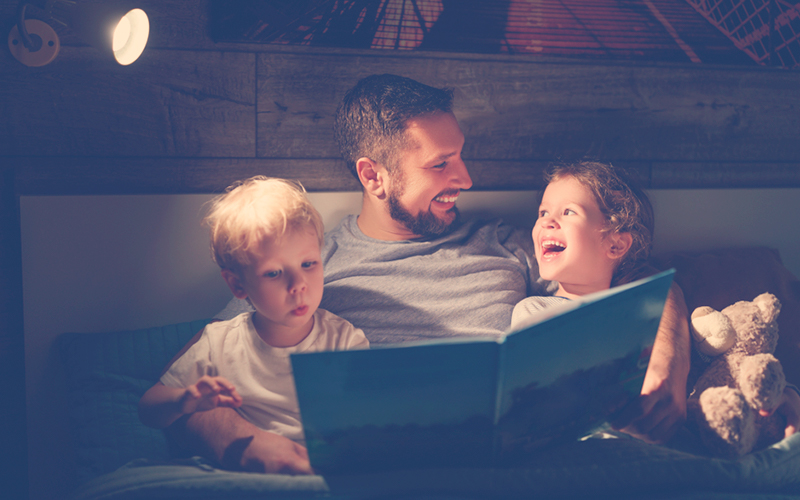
x: 371, y: 119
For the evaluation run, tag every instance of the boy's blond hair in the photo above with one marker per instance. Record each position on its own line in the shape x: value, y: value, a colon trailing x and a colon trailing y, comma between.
x: 254, y: 211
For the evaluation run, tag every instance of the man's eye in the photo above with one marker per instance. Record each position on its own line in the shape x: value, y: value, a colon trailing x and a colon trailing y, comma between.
x: 440, y: 166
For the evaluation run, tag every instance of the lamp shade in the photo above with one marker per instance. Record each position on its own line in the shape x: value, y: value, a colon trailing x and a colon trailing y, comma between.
x: 112, y: 27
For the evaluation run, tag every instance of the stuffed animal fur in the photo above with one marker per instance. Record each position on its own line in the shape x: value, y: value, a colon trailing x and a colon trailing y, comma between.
x: 743, y: 379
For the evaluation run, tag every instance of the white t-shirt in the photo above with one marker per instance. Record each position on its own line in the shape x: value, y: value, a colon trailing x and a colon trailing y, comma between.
x: 262, y: 374
x: 534, y: 309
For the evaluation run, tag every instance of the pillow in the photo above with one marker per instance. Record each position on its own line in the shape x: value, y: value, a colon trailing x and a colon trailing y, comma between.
x: 718, y: 278
x: 107, y: 374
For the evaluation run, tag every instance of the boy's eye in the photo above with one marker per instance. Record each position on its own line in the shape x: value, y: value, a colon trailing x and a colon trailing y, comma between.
x: 309, y: 264
x: 272, y: 274
x: 568, y: 211
x: 542, y: 213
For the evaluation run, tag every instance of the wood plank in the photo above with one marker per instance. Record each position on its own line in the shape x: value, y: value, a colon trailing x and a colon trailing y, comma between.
x: 172, y: 103
x: 547, y: 110
x: 71, y: 175
x: 695, y: 175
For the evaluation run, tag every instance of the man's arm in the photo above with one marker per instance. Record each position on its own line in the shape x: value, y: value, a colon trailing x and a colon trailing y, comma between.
x: 661, y: 409
x: 236, y: 444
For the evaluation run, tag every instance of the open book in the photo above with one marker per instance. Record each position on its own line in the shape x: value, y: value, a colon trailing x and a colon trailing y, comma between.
x: 480, y: 401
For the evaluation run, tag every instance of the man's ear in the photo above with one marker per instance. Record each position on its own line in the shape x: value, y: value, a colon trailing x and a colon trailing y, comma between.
x: 620, y: 244
x: 373, y: 177
x: 234, y: 283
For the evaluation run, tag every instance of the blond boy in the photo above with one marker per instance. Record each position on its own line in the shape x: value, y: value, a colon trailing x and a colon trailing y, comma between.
x: 266, y: 238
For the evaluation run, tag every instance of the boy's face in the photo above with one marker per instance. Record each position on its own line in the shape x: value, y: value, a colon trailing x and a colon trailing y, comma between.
x: 284, y: 284
x: 422, y: 195
x: 569, y: 241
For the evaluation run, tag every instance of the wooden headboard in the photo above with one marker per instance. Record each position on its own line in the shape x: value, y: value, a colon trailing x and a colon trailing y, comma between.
x: 191, y: 116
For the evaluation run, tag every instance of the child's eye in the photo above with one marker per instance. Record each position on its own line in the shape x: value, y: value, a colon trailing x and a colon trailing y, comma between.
x: 542, y: 213
x: 309, y: 264
x: 272, y: 274
x: 569, y: 211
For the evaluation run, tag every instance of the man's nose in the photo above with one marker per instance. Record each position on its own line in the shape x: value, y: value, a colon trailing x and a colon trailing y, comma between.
x: 461, y: 178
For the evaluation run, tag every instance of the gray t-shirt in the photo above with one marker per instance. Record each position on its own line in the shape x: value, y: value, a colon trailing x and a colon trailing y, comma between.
x: 464, y: 283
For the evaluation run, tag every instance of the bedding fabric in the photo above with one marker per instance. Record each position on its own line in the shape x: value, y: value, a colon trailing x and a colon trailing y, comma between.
x: 595, y: 468
x: 107, y: 374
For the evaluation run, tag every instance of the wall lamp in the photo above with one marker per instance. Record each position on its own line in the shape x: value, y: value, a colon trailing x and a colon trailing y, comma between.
x: 111, y: 26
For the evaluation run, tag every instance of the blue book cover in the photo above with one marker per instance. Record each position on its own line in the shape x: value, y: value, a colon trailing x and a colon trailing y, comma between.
x: 480, y: 401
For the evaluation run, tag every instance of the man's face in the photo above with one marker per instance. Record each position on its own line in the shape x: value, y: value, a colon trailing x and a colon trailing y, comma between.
x: 429, y: 175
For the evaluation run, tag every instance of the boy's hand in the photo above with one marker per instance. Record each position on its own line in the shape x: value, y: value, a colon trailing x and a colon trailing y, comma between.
x: 209, y: 393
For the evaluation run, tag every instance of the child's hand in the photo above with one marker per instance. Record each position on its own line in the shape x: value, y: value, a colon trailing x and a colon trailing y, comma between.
x: 209, y: 393
x: 789, y: 409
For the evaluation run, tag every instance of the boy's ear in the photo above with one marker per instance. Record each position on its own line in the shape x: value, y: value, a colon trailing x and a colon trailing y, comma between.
x: 373, y: 177
x: 620, y: 244
x: 234, y: 283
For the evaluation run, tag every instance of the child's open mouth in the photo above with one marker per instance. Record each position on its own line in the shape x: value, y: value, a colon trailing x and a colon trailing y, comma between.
x: 552, y: 247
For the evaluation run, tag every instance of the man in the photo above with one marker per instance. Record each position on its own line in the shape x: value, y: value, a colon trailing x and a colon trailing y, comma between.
x: 407, y: 268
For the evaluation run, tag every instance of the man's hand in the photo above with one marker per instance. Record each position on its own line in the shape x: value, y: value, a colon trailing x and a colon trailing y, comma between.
x: 661, y: 408
x: 236, y: 444
x: 658, y: 412
x: 267, y: 452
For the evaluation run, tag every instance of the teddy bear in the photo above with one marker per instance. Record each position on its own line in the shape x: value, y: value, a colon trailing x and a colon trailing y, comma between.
x: 735, y: 396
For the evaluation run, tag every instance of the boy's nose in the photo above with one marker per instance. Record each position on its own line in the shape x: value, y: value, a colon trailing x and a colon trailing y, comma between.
x: 297, y: 284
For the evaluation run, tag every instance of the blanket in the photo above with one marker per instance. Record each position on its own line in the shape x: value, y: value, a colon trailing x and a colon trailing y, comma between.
x: 617, y: 468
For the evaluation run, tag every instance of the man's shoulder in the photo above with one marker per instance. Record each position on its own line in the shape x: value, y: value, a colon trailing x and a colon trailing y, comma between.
x: 493, y: 230
x: 334, y: 236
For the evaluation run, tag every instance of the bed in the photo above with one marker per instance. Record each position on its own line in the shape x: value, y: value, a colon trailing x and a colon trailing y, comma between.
x: 118, y: 458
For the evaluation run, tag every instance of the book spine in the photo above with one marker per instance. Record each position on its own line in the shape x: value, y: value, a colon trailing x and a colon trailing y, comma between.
x: 498, y: 401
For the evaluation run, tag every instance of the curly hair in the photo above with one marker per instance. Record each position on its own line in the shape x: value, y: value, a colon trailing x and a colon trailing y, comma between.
x: 625, y: 206
x: 371, y: 119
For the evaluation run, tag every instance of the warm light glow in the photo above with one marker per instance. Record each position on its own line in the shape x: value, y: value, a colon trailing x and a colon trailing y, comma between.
x: 121, y: 34
x: 130, y: 36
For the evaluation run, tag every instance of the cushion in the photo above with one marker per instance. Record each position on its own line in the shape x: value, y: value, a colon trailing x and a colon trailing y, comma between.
x: 718, y: 278
x: 107, y: 374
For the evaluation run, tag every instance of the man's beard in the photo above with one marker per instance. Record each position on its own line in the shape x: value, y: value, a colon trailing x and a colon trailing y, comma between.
x: 423, y: 224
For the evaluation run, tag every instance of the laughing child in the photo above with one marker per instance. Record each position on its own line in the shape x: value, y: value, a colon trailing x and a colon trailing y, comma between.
x: 594, y: 231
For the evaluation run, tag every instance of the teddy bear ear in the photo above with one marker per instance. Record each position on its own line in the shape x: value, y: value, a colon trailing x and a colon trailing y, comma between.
x: 712, y: 331
x: 769, y: 305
